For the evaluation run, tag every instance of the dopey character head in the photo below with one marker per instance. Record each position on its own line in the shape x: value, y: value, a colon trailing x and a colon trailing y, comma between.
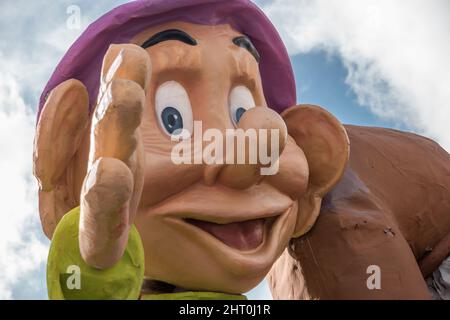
x: 216, y: 227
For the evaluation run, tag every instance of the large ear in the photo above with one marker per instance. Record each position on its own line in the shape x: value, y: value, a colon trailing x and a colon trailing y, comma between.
x: 325, y: 143
x: 60, y: 131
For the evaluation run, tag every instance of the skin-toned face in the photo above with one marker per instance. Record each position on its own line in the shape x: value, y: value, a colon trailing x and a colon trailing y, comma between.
x: 199, y: 233
x: 207, y: 225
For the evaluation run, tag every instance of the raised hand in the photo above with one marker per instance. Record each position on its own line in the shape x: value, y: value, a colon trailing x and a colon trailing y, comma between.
x: 113, y: 184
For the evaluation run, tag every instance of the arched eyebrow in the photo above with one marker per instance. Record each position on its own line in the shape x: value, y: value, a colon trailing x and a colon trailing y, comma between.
x: 172, y: 34
x: 246, y: 43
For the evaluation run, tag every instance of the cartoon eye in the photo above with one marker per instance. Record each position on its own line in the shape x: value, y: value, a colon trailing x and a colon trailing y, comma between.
x: 241, y: 99
x: 173, y: 109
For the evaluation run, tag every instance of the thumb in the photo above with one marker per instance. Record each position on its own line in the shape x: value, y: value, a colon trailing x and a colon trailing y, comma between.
x: 104, y: 220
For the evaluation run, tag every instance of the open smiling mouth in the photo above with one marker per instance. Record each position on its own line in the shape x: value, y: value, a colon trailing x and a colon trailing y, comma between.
x: 243, y: 235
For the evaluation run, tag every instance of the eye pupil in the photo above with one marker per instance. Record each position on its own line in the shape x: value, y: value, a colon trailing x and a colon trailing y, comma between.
x: 239, y: 113
x: 171, y: 119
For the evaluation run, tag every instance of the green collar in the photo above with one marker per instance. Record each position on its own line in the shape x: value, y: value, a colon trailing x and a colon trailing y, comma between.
x: 191, y: 295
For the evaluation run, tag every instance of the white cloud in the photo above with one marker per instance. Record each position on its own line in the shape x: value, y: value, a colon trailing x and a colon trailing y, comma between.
x: 25, y: 66
x: 396, y: 52
x: 21, y: 250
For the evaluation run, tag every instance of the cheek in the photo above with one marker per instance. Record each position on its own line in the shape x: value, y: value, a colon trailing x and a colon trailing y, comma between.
x: 163, y: 177
x: 293, y: 174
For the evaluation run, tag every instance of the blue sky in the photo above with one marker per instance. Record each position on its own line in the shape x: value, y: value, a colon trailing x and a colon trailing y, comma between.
x: 373, y: 63
x: 320, y: 80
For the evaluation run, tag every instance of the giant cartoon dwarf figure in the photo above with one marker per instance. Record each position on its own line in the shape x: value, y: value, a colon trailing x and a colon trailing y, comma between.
x: 132, y: 223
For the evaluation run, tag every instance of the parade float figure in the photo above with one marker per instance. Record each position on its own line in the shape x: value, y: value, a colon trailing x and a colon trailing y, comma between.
x: 133, y: 223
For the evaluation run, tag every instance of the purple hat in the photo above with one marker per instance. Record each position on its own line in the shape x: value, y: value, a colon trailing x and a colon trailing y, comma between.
x: 83, y: 60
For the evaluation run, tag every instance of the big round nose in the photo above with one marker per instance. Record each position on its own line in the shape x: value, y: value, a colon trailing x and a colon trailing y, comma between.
x: 266, y: 135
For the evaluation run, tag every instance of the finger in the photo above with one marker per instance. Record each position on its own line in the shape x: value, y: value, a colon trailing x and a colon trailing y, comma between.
x: 123, y: 62
x: 115, y: 120
x: 104, y: 225
x: 59, y: 132
x: 126, y: 61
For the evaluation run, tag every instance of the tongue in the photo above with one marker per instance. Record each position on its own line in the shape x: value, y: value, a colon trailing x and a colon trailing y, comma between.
x: 243, y: 236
